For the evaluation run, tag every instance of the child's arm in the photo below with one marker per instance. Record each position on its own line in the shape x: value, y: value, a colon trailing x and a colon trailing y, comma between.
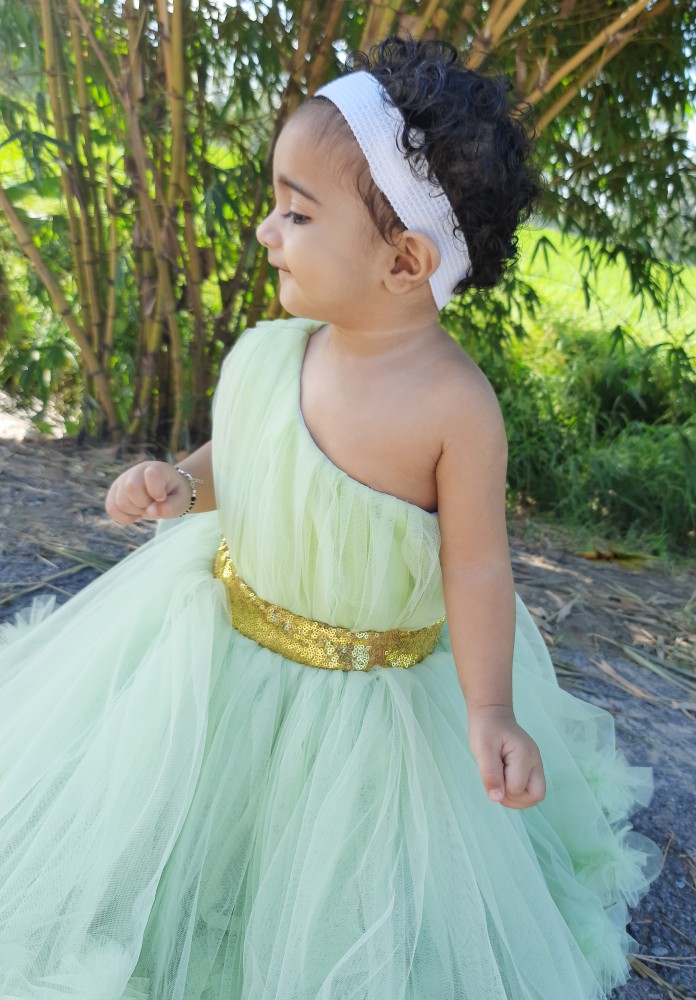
x: 154, y: 490
x: 479, y: 592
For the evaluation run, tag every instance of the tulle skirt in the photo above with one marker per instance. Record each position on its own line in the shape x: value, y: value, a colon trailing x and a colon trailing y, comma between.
x: 185, y: 815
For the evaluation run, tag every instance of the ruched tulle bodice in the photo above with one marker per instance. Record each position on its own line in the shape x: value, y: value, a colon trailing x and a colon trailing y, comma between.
x: 302, y: 533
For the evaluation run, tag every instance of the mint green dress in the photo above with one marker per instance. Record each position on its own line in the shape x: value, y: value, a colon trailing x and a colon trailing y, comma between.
x: 186, y: 815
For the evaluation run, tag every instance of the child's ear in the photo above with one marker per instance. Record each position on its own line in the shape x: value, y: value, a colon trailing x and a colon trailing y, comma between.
x: 414, y: 258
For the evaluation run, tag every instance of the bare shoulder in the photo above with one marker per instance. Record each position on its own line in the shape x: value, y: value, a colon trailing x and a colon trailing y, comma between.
x: 468, y: 412
x: 471, y: 471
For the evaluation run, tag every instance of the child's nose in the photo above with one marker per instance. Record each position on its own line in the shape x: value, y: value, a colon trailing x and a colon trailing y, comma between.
x: 266, y: 232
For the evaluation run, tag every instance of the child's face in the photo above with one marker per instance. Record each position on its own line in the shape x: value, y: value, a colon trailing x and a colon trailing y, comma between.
x: 320, y: 235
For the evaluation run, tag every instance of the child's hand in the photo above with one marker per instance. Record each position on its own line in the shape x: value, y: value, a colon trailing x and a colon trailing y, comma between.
x: 507, y: 757
x: 148, y: 490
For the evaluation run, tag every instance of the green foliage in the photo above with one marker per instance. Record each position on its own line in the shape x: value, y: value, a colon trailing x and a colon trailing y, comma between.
x: 39, y: 364
x: 44, y: 372
x: 620, y: 174
x: 645, y: 479
x: 612, y: 382
x: 587, y: 343
x: 639, y: 480
x: 618, y: 171
x: 601, y: 431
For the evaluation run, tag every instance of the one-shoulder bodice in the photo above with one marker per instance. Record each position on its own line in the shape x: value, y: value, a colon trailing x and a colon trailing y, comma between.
x: 303, y: 533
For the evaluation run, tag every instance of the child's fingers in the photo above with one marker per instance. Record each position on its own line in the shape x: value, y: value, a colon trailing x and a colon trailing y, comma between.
x: 158, y: 481
x: 536, y: 786
x: 176, y: 503
x: 517, y: 773
x: 490, y: 767
x: 148, y: 490
x: 143, y: 488
x: 169, y: 490
x: 533, y: 791
x: 136, y: 490
x: 120, y: 517
x: 509, y: 763
x: 132, y: 497
x: 118, y: 506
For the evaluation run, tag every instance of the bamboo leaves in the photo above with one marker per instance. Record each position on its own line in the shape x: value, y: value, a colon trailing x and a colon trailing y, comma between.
x: 156, y: 119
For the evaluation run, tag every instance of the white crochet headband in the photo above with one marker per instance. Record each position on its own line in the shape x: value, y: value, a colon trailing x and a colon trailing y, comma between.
x: 420, y: 204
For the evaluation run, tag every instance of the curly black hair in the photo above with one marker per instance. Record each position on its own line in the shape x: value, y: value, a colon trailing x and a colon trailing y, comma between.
x: 467, y: 130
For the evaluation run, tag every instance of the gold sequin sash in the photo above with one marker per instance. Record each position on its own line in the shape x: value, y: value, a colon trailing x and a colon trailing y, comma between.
x: 317, y: 644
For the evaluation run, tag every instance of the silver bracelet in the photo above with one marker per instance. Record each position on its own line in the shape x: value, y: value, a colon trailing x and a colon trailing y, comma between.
x: 193, y: 482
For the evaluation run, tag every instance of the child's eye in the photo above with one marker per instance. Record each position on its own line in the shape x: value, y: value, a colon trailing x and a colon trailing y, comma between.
x: 296, y: 219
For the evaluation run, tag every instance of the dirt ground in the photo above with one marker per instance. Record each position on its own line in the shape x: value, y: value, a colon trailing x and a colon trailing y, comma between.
x: 621, y: 636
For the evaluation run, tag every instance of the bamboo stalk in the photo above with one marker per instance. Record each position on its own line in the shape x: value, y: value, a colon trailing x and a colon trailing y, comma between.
x: 386, y: 19
x: 221, y: 322
x: 172, y: 47
x: 147, y: 352
x: 77, y: 195
x: 494, y: 12
x: 154, y: 367
x: 61, y: 130
x: 143, y: 166
x: 171, y: 34
x: 424, y: 19
x: 292, y: 91
x: 379, y: 21
x: 161, y: 412
x: 149, y: 328
x: 136, y: 27
x: 177, y: 96
x: 371, y: 26
x: 91, y: 270
x: 368, y: 27
x: 110, y: 318
x: 124, y: 95
x: 506, y: 17
x: 622, y: 21
x: 194, y: 280
x: 571, y: 92
x: 247, y: 237
x: 609, y: 52
x: 308, y: 17
x: 500, y: 16
x: 79, y: 186
x: 330, y: 27
x: 173, y: 51
x: 91, y: 185
x: 464, y: 29
x: 60, y: 303
x: 483, y: 36
x: 165, y: 35
x: 176, y: 359
x: 166, y: 301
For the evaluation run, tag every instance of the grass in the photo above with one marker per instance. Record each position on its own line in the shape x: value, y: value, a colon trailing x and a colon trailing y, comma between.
x: 600, y: 405
x: 556, y: 278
